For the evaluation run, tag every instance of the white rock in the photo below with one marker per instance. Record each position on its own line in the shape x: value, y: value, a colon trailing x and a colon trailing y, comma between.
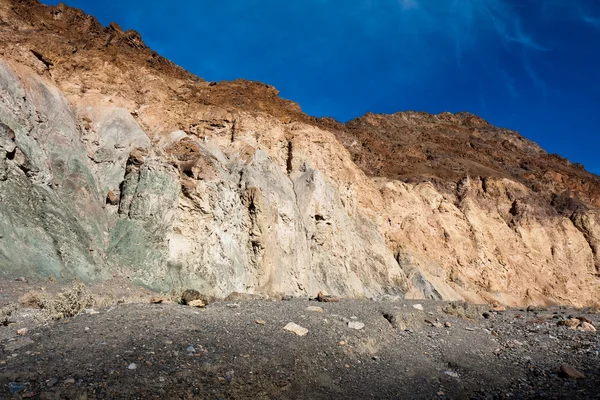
x: 451, y: 373
x: 356, y: 325
x: 418, y: 306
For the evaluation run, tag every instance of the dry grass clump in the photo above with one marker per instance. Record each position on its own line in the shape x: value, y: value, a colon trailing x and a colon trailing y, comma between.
x: 464, y: 310
x: 67, y: 303
x: 6, y: 312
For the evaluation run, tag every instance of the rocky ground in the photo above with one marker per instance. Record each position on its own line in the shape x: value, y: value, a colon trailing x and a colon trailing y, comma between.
x: 239, y: 348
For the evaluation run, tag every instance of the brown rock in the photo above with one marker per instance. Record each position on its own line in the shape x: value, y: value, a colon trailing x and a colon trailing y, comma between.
x: 137, y: 157
x: 259, y: 322
x: 156, y: 300
x: 112, y: 198
x: 571, y: 323
x: 567, y: 371
x: 190, y: 295
x: 325, y: 297
x: 22, y: 331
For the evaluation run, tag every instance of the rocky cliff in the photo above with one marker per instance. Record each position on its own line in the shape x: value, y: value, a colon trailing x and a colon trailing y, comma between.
x: 113, y: 160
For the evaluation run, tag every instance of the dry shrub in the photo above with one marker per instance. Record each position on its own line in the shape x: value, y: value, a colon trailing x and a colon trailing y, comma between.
x: 68, y: 303
x: 6, y: 312
x: 33, y: 299
x: 464, y: 310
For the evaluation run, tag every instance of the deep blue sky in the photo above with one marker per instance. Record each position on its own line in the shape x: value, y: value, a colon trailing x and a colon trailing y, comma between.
x: 528, y: 65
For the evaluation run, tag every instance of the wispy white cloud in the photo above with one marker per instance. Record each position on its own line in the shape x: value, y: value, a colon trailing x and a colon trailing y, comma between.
x: 409, y: 4
x: 595, y: 22
x: 441, y: 31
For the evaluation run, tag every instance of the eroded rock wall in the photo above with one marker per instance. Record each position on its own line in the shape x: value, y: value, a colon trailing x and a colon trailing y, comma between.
x: 115, y: 161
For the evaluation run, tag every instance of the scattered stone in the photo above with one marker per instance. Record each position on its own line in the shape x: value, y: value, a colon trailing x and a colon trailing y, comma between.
x: 486, y: 315
x: 21, y: 279
x: 91, y: 311
x: 191, y: 349
x: 197, y: 303
x: 376, y: 358
x: 571, y: 323
x: 28, y: 395
x: 51, y: 382
x: 16, y: 387
x: 418, y: 307
x: 287, y: 297
x: 447, y: 324
x: 531, y: 308
x: 69, y: 381
x: 451, y: 373
x: 22, y: 331
x: 259, y: 322
x: 325, y: 297
x: 586, y: 327
x: 132, y: 366
x: 435, y: 324
x: 156, y: 300
x: 314, y: 309
x: 567, y: 371
x: 233, y: 305
x: 295, y: 328
x: 499, y: 308
x: 356, y: 325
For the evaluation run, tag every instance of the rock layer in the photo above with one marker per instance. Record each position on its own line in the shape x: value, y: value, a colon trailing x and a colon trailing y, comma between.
x: 114, y: 160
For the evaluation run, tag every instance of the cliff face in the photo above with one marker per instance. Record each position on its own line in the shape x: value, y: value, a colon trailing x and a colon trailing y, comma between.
x: 114, y: 160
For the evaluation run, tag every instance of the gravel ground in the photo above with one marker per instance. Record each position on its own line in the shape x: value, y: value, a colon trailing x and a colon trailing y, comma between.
x: 242, y: 351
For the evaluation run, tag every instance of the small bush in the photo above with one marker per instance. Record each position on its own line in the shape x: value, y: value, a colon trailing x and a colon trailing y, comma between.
x: 68, y: 303
x: 464, y: 310
x: 32, y: 299
x: 6, y: 312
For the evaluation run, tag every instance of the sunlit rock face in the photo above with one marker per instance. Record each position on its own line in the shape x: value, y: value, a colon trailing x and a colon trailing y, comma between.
x: 115, y: 161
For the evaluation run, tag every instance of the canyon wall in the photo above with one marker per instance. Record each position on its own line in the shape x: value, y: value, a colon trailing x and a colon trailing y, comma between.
x: 116, y: 161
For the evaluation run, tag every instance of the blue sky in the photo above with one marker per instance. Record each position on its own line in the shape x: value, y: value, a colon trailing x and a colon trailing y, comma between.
x: 528, y: 65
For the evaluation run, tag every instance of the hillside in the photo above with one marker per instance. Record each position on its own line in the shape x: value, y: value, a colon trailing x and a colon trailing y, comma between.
x: 115, y: 161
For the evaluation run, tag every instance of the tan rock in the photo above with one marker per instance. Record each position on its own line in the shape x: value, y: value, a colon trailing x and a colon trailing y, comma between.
x: 295, y: 328
x: 197, y: 303
x: 325, y: 297
x: 22, y: 331
x: 314, y: 309
x: 586, y: 327
x: 259, y: 322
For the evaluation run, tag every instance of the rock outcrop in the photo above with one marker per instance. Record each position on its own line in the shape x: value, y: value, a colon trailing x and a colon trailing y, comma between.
x: 114, y: 160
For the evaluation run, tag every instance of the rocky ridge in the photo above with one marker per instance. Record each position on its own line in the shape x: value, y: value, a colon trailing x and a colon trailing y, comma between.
x: 115, y: 160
